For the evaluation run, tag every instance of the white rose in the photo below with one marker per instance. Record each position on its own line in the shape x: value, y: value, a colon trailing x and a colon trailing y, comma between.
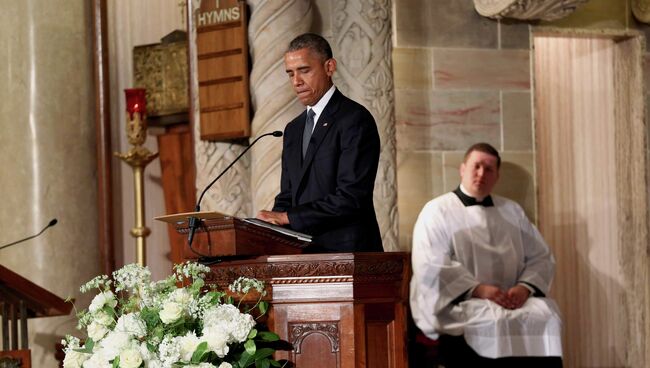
x: 188, y: 344
x: 101, y: 299
x: 103, y: 318
x: 130, y: 358
x: 114, y: 343
x: 180, y: 296
x: 225, y: 365
x: 97, y: 331
x: 97, y: 360
x: 131, y: 324
x: 171, y: 312
x: 74, y: 359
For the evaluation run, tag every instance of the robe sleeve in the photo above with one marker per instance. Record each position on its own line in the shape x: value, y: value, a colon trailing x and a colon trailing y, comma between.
x: 438, y: 279
x: 539, y: 262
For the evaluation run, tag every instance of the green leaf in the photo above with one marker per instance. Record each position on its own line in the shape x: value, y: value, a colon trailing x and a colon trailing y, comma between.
x: 200, y: 351
x: 268, y: 336
x: 262, y: 364
x: 250, y: 347
x: 263, y: 307
x: 263, y: 353
x: 116, y: 362
x: 245, y: 360
x: 275, y: 363
x: 252, y: 334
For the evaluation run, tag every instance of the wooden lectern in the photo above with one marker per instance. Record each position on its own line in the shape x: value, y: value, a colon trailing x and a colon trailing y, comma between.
x: 21, y: 299
x: 338, y: 310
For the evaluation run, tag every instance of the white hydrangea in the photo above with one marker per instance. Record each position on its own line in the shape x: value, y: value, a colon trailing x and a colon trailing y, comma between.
x: 225, y: 365
x: 188, y: 344
x: 227, y: 317
x: 114, y: 343
x: 102, y: 299
x: 98, y: 360
x: 217, y: 340
x: 131, y: 324
x: 169, y: 351
x: 103, y: 318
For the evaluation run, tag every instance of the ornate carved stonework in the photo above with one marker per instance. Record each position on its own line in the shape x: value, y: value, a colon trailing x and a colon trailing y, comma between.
x: 272, y: 26
x: 641, y: 10
x: 299, y: 331
x: 527, y: 9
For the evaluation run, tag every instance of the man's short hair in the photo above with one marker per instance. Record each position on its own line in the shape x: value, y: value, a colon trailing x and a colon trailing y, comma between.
x: 313, y: 42
x: 485, y: 148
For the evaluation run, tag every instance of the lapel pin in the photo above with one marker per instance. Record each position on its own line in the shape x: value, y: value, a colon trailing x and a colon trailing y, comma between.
x: 324, y: 124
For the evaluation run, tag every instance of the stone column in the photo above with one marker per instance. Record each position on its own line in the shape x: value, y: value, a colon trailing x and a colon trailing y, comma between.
x: 48, y: 155
x: 273, y: 24
x: 362, y: 45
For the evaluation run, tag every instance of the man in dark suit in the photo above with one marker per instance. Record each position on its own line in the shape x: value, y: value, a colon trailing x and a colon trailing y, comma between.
x: 329, y: 158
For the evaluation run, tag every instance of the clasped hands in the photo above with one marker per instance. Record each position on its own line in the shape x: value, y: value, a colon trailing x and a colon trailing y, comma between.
x: 512, y: 298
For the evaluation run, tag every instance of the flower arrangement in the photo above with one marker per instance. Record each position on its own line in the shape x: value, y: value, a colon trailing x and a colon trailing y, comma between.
x: 133, y: 322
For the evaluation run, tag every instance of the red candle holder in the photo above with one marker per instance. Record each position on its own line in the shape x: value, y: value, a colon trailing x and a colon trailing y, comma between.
x: 136, y: 101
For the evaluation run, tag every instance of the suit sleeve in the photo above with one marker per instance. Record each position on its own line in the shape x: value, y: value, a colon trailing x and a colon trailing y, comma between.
x: 356, y: 170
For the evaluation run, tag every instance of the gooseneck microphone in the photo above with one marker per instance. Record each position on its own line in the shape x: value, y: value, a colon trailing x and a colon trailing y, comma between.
x: 49, y: 225
x: 194, y: 221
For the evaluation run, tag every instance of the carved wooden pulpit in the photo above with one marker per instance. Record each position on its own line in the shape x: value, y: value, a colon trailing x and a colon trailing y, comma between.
x: 21, y: 299
x: 338, y: 310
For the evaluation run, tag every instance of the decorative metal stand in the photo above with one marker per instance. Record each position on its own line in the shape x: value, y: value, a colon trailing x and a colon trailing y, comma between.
x: 138, y: 157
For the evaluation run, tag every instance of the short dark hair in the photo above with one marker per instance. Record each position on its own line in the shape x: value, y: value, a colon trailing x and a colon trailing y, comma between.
x: 485, y: 148
x: 313, y: 42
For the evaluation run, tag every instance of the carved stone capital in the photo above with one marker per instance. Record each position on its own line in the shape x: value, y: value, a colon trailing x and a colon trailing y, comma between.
x: 527, y: 9
x: 641, y: 10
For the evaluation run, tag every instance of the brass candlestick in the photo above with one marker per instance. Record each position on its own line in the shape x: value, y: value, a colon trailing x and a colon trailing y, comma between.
x: 138, y: 157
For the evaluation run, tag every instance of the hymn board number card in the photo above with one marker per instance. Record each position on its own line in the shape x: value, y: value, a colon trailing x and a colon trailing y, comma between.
x: 222, y: 53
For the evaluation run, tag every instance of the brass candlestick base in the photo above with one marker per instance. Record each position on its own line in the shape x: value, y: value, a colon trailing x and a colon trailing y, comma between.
x: 138, y: 158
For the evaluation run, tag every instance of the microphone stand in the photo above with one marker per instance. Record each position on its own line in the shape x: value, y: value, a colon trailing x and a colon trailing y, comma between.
x: 194, y: 221
x: 50, y: 224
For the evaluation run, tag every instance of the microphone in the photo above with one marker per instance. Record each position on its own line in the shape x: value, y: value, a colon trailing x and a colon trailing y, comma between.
x: 50, y: 224
x: 194, y: 221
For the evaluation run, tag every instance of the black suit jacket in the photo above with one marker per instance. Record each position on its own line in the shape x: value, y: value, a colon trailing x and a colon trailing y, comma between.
x: 329, y: 195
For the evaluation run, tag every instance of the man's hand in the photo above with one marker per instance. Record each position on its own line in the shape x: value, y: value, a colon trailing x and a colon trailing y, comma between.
x: 493, y: 293
x: 276, y: 218
x: 518, y: 295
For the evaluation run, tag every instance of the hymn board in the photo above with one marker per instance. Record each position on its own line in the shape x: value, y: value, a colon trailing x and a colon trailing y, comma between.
x: 222, y: 59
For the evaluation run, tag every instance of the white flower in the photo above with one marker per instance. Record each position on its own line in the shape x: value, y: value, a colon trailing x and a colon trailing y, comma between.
x: 169, y: 351
x: 102, y: 299
x: 97, y: 360
x: 208, y: 365
x: 114, y: 343
x: 74, y: 359
x: 130, y: 358
x: 225, y: 365
x: 103, y: 318
x: 131, y: 324
x: 188, y: 344
x: 217, y: 340
x: 97, y: 331
x: 227, y: 317
x: 181, y: 297
x: 171, y: 312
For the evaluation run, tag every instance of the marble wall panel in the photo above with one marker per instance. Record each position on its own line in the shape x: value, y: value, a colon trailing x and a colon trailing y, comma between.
x: 517, y: 121
x: 442, y: 23
x: 481, y: 69
x: 412, y: 68
x: 446, y: 120
x: 516, y: 179
x: 419, y: 179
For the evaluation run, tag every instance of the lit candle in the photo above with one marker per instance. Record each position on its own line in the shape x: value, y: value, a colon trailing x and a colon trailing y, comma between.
x: 136, y: 101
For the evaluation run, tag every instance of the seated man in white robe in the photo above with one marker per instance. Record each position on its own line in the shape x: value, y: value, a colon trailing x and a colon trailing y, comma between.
x: 481, y: 271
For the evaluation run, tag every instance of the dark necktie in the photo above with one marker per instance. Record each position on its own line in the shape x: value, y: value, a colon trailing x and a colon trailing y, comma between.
x: 306, y: 134
x: 471, y: 201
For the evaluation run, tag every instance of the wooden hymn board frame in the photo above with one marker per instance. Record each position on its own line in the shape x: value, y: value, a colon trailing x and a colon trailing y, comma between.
x: 222, y: 68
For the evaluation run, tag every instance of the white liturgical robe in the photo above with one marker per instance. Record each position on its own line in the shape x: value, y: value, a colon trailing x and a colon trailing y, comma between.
x: 455, y: 248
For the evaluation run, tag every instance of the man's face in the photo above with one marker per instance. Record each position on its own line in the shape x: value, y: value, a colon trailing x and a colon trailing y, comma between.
x: 479, y: 174
x: 310, y: 75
